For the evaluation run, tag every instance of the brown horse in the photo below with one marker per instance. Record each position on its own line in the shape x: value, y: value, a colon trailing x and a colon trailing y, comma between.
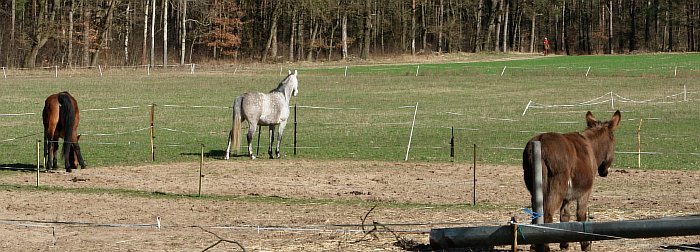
x: 61, y: 117
x: 569, y: 164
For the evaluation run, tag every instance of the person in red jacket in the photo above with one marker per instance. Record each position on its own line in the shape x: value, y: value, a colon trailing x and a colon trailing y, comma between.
x: 546, y: 46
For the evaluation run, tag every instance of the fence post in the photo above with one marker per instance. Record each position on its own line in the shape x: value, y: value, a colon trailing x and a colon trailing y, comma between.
x: 538, y: 199
x: 452, y: 145
x: 153, y: 136
x: 4, y: 73
x: 474, y: 181
x: 410, y: 136
x: 295, y: 129
x: 639, y: 144
x: 38, y: 161
x: 201, y: 163
x: 612, y: 100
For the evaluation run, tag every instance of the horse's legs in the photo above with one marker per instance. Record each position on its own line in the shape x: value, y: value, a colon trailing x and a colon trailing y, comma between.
x: 279, y: 137
x: 79, y: 156
x: 228, y: 146
x: 53, y: 149
x: 249, y: 137
x: 565, y: 216
x: 553, y: 199
x: 582, y: 215
x: 47, y: 153
x: 272, y: 140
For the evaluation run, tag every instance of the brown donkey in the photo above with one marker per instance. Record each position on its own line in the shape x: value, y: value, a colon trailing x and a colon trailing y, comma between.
x: 569, y: 164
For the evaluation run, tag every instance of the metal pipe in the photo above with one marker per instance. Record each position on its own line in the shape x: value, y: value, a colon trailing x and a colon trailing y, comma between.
x: 538, y: 197
x: 462, y: 237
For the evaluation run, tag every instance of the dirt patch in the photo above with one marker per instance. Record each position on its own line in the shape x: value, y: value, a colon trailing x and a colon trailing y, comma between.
x: 293, y: 205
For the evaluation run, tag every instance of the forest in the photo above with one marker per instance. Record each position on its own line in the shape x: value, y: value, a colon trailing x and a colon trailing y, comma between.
x: 84, y: 33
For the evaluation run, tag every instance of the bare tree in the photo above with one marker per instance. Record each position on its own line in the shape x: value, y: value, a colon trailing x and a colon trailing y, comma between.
x: 42, y: 30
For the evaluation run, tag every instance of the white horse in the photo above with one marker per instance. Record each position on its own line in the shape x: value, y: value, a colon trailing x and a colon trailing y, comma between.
x: 262, y: 109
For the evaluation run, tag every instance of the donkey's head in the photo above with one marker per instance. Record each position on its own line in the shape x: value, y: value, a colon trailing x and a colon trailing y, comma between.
x: 602, y: 139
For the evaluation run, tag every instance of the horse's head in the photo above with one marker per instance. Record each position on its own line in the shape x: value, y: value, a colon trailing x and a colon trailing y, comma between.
x: 293, y: 82
x: 603, y: 140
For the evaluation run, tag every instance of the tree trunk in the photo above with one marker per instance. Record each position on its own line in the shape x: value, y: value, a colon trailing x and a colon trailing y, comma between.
x: 505, y: 25
x: 273, y: 34
x: 633, y: 26
x: 183, y: 28
x: 413, y: 29
x: 492, y: 26
x: 478, y: 41
x: 127, y: 28
x: 440, y: 25
x: 610, y: 29
x: 690, y: 24
x: 153, y: 33
x: 670, y: 26
x: 144, y: 50
x: 104, y: 26
x: 165, y: 34
x: 87, y: 31
x: 424, y: 27
x: 300, y: 35
x: 499, y: 24
x: 368, y: 29
x: 344, y: 33
x: 42, y: 31
x: 12, y: 21
x: 291, y: 37
x: 70, y: 32
x: 314, y: 33
x: 532, y: 34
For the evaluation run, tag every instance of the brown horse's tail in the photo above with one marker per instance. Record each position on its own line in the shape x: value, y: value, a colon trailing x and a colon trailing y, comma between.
x: 67, y: 114
x: 236, y: 127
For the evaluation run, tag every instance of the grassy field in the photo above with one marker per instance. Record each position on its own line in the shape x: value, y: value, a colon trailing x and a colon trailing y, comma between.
x: 366, y: 111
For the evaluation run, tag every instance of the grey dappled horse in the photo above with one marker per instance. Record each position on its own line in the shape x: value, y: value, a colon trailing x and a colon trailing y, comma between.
x: 262, y: 109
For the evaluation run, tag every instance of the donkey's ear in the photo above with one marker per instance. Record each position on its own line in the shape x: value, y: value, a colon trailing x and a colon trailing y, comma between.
x: 615, y: 120
x: 295, y: 72
x: 290, y: 72
x: 590, y: 120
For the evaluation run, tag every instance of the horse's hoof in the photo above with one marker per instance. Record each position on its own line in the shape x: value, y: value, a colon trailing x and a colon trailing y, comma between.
x: 69, y: 170
x: 226, y: 157
x: 586, y: 246
x: 252, y: 157
x: 83, y: 166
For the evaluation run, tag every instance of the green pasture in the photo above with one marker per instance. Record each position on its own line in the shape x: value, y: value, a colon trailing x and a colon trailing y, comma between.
x: 366, y: 111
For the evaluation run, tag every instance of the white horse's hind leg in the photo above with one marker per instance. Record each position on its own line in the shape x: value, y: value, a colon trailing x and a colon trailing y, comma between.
x: 279, y: 137
x: 249, y: 137
x: 228, y: 147
x: 272, y: 140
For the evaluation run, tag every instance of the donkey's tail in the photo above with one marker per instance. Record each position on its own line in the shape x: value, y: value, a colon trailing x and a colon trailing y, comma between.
x: 67, y: 114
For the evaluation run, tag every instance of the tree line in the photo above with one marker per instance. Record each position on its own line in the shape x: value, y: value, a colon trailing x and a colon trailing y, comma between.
x: 157, y: 32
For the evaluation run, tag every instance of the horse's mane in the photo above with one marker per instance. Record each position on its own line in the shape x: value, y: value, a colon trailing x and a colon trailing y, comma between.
x: 280, y: 86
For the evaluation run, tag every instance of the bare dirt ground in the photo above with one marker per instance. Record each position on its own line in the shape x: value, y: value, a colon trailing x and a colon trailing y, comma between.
x: 311, y: 205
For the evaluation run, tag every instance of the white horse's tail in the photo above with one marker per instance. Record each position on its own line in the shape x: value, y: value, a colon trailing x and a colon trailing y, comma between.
x: 236, y: 127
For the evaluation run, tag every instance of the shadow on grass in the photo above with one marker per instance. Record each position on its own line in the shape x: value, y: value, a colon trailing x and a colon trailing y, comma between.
x: 18, y: 167
x: 213, y: 154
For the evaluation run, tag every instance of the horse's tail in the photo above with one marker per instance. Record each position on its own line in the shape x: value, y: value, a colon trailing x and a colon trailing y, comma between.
x: 236, y: 127
x: 67, y: 114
